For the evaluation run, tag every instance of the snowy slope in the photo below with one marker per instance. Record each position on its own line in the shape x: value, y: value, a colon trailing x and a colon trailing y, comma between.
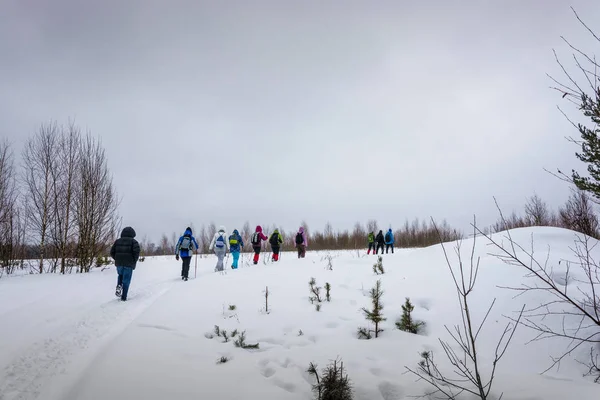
x: 69, y: 338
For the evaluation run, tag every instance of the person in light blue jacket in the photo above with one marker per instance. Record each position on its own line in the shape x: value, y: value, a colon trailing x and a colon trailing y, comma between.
x: 236, y: 244
x: 389, y: 241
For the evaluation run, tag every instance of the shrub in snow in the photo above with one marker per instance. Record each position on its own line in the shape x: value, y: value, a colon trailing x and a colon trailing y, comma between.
x: 378, y: 266
x: 327, y: 291
x: 318, y: 307
x: 300, y: 333
x: 241, y: 342
x: 406, y: 323
x: 234, y: 333
x: 217, y: 330
x: 222, y: 360
x: 266, y: 292
x: 375, y: 314
x: 332, y: 383
x: 232, y: 307
x: 468, y: 374
x: 315, y: 291
x: 364, y: 333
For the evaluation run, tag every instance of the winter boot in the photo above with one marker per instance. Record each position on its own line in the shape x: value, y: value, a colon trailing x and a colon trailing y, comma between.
x: 255, y: 260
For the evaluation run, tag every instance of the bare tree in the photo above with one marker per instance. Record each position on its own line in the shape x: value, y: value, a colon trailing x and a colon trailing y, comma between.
x: 164, y: 244
x: 573, y: 314
x: 10, y: 219
x: 246, y: 235
x: 39, y: 159
x: 537, y: 211
x: 95, y: 203
x: 578, y: 214
x: 372, y: 226
x: 468, y: 369
x: 64, y: 178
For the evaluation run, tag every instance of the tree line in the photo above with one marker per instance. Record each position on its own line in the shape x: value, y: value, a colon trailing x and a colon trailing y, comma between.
x: 576, y: 214
x: 58, y: 206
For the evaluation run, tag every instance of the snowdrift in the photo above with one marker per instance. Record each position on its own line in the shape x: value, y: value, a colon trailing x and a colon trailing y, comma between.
x: 68, y: 337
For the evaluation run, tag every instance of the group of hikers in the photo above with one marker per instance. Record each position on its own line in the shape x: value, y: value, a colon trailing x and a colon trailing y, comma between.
x: 126, y: 250
x: 378, y: 242
x: 221, y: 243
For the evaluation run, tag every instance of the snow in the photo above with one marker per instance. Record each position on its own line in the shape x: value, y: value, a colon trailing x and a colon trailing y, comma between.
x: 68, y: 337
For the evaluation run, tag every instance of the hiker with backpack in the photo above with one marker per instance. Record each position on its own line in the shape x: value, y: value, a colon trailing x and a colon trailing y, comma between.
x: 275, y: 241
x: 236, y: 244
x: 380, y: 242
x: 126, y: 252
x: 256, y: 240
x: 184, y: 248
x: 301, y: 242
x: 220, y: 245
x: 371, y: 239
x: 389, y: 241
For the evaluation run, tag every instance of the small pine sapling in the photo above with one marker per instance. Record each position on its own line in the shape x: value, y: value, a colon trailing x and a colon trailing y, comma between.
x: 300, y: 333
x: 225, y: 335
x: 234, y: 333
x: 232, y: 307
x: 327, y: 291
x: 378, y: 266
x: 406, y: 323
x: 315, y: 291
x: 318, y: 307
x: 364, y: 333
x: 266, y: 299
x: 217, y: 330
x: 375, y: 315
x: 332, y: 383
x: 222, y: 360
x: 241, y: 342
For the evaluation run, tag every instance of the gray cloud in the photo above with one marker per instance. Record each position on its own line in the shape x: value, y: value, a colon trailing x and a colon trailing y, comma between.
x: 274, y: 112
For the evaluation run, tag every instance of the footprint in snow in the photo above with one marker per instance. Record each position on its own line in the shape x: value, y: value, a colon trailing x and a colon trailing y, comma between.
x: 288, y: 387
x: 390, y: 391
x: 267, y: 372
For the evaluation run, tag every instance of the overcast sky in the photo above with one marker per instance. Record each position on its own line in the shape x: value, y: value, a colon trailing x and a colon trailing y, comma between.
x: 279, y: 111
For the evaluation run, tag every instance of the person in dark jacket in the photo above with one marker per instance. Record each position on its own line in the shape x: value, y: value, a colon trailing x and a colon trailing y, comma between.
x: 256, y: 240
x: 276, y: 240
x: 185, y: 247
x: 236, y: 245
x: 380, y: 242
x: 301, y: 242
x: 126, y: 252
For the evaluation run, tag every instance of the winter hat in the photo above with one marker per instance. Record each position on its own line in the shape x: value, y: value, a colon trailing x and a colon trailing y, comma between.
x: 301, y: 229
x: 189, y: 229
x: 221, y: 228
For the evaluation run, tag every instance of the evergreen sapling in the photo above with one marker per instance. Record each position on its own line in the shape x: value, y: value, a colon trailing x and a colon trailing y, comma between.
x: 332, y: 383
x: 406, y: 323
x: 378, y: 266
x: 375, y: 314
x: 327, y: 291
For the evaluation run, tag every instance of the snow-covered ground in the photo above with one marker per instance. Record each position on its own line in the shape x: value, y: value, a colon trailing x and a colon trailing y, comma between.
x: 68, y: 337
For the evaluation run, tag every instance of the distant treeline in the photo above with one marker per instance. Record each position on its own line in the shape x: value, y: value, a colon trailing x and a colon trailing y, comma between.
x: 576, y: 214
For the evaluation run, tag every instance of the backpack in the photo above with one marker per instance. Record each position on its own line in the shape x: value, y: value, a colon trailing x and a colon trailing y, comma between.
x: 371, y: 237
x: 186, y: 243
x: 233, y: 240
x: 388, y: 237
x: 299, y: 238
x: 255, y: 240
x: 220, y: 242
x: 274, y: 239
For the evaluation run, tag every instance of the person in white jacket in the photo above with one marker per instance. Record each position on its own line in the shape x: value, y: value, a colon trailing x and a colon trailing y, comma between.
x: 220, y: 244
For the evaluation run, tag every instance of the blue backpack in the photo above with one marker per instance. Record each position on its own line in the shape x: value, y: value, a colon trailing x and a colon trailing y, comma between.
x: 220, y: 243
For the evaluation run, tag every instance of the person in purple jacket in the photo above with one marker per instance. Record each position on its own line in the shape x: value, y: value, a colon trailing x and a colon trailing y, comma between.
x: 301, y: 242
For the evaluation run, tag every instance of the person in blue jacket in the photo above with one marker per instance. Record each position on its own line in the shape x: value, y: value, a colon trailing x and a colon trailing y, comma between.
x: 186, y: 245
x: 236, y: 244
x: 389, y: 241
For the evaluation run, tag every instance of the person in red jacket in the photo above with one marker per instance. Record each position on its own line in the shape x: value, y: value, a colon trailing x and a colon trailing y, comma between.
x: 256, y: 240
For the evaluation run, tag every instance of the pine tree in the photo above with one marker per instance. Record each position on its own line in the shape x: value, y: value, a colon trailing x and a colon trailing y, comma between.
x: 332, y: 383
x: 406, y: 322
x: 375, y: 315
